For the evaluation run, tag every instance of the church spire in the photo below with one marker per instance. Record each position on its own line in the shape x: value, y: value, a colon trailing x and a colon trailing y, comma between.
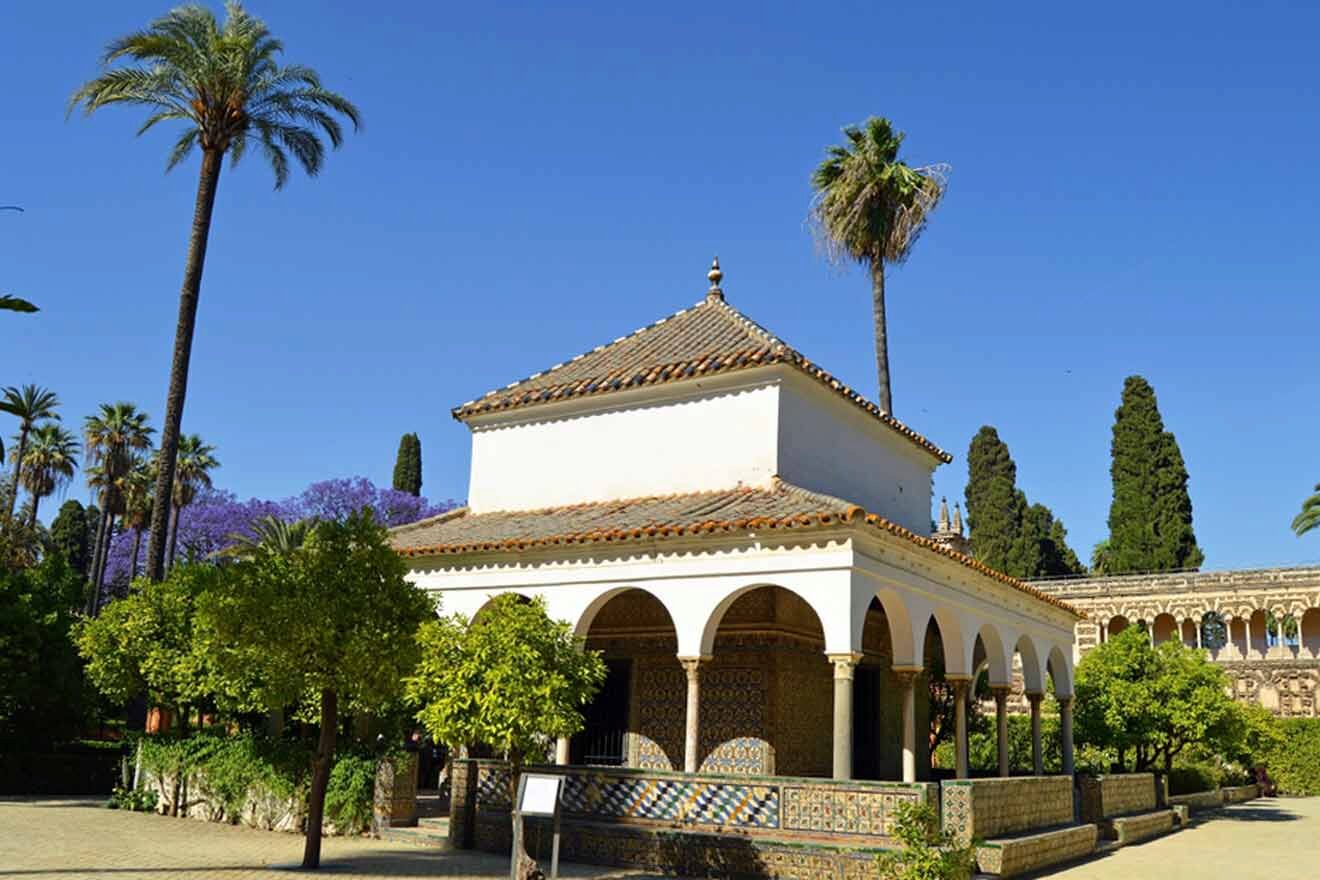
x: 957, y: 519
x: 944, y: 515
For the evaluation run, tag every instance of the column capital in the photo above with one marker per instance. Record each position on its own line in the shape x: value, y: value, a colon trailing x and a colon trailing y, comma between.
x: 691, y: 665
x: 844, y: 664
x: 960, y: 686
x: 1034, y: 698
x: 1001, y: 691
x: 1065, y: 703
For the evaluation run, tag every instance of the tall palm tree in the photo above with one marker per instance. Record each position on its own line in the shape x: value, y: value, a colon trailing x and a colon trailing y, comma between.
x: 224, y: 83
x: 29, y: 404
x: 193, y: 472
x: 137, y: 504
x: 113, y: 436
x: 1309, y: 518
x: 51, y: 459
x: 870, y: 207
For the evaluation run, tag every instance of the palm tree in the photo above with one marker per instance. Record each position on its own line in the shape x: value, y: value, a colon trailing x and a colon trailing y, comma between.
x: 1309, y: 518
x: 870, y: 207
x: 270, y: 534
x: 29, y: 404
x: 51, y: 459
x: 196, y: 461
x: 137, y: 504
x: 225, y: 84
x: 113, y: 436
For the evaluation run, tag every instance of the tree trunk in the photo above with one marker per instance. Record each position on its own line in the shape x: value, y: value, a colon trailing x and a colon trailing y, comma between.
x: 881, y: 333
x: 325, y: 754
x: 207, y: 183
x: 174, y: 538
x: 19, y: 452
x: 93, y: 600
x: 527, y: 867
x: 137, y: 545
x: 32, y: 517
x: 105, y: 555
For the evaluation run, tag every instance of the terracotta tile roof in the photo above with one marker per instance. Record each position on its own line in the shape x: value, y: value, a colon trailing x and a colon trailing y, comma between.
x: 709, y: 338
x: 665, y: 516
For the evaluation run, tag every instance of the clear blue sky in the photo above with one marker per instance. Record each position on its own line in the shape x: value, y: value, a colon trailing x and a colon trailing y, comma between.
x: 1133, y: 190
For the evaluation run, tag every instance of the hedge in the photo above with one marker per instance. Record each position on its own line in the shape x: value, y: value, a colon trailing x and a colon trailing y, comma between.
x: 1294, y: 764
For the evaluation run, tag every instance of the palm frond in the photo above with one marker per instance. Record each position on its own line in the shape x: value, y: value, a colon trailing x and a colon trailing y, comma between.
x: 1309, y: 518
x: 15, y: 304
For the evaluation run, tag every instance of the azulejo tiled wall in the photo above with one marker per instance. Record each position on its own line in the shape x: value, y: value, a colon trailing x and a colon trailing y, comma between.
x: 987, y: 808
x: 1116, y: 795
x: 780, y: 807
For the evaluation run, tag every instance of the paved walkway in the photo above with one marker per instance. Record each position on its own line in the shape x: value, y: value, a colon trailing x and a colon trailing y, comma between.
x: 81, y: 839
x: 1265, y: 839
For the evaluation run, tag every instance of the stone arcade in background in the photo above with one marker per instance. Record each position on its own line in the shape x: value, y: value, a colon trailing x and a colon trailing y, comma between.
x: 748, y: 542
x: 1233, y: 616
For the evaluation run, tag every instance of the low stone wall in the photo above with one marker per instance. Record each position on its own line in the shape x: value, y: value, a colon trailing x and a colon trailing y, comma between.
x: 706, y: 825
x: 1008, y: 858
x: 1130, y: 829
x: 394, y: 804
x: 1239, y: 793
x: 1201, y: 800
x: 986, y: 808
x: 1104, y: 797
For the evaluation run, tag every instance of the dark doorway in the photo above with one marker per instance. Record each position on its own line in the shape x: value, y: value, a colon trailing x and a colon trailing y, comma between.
x: 866, y: 722
x: 604, y: 739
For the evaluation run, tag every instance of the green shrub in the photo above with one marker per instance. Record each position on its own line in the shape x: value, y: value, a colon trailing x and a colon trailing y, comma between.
x: 350, y: 795
x: 1294, y: 763
x: 137, y: 801
x: 928, y: 853
x: 1191, y: 778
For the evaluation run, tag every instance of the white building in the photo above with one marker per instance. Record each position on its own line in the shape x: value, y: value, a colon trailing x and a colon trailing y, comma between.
x: 748, y: 542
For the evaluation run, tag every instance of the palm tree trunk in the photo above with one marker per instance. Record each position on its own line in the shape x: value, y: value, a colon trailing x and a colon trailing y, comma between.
x: 105, y: 556
x: 881, y: 333
x: 18, y: 470
x: 32, y: 515
x: 94, y: 601
x: 325, y: 755
x: 207, y: 183
x: 174, y: 537
x: 137, y: 545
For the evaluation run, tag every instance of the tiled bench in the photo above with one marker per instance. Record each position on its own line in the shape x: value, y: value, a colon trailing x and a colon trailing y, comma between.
x: 1201, y: 800
x: 1238, y: 794
x: 1010, y: 856
x: 1130, y: 829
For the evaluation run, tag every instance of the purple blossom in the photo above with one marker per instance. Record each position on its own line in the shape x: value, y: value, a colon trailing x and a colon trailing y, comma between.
x: 208, y: 524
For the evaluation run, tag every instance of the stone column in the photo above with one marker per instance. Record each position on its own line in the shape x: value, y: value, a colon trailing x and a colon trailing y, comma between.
x: 1227, y: 650
x: 561, y: 751
x: 1066, y: 733
x: 906, y: 679
x: 844, y: 664
x: 1037, y: 756
x: 1001, y: 692
x: 1246, y: 651
x: 691, y: 741
x: 1104, y: 632
x: 960, y: 688
x: 1196, y: 633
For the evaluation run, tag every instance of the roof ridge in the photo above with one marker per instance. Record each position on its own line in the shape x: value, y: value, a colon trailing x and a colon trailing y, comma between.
x: 634, y: 499
x: 559, y: 366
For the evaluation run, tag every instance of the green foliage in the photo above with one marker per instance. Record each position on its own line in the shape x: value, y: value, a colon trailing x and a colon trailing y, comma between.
x: 512, y: 679
x: 1006, y: 533
x: 43, y: 699
x: 10, y: 303
x: 1150, y: 517
x: 927, y: 852
x: 334, y: 614
x: 350, y: 796
x: 1293, y: 761
x: 224, y: 83
x: 983, y: 746
x: 69, y: 535
x: 408, y: 465
x: 1153, y: 702
x: 1189, y: 778
x: 150, y: 641
x: 137, y: 801
x: 1309, y: 518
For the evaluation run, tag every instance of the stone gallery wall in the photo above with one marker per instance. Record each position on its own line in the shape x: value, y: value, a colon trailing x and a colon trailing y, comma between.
x: 1116, y: 795
x: 986, y: 808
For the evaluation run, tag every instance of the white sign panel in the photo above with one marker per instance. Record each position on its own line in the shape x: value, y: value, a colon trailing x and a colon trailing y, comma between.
x: 540, y: 793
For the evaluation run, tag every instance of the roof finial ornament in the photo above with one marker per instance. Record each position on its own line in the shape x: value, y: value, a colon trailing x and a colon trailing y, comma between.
x: 715, y: 276
x: 943, y: 524
x: 957, y: 519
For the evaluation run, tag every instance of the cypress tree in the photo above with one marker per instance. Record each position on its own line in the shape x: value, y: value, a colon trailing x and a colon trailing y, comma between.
x: 1007, y: 533
x: 68, y: 533
x: 1150, y: 517
x: 408, y: 465
x: 994, y: 506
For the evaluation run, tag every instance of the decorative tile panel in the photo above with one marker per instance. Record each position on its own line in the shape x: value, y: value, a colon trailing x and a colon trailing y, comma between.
x: 834, y: 811
x: 688, y: 802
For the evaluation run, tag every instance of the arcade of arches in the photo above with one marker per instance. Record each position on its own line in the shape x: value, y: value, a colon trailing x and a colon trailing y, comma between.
x: 1262, y: 626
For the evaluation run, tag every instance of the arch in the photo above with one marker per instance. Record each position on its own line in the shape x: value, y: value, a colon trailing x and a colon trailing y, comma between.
x: 721, y: 608
x: 1117, y: 624
x: 488, y: 598
x: 901, y: 636
x: 1309, y: 630
x: 1033, y: 681
x: 996, y: 654
x: 1059, y: 668
x: 1214, y: 631
x: 1163, y: 627
x: 588, y: 615
x: 953, y: 640
x: 1187, y: 633
x: 1259, y: 641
